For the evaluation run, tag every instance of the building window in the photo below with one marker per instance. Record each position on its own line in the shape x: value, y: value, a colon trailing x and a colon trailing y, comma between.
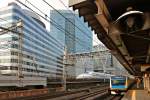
x: 14, y: 53
x: 13, y: 68
x: 14, y: 60
x: 14, y: 46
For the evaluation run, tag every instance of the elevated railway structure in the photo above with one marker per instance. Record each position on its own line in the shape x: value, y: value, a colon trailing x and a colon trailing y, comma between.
x: 123, y: 26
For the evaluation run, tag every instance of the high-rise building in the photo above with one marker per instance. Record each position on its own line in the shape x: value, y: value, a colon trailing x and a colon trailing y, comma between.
x: 32, y: 54
x: 74, y: 34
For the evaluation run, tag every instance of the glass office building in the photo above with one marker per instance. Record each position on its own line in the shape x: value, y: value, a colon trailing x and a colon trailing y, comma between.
x: 72, y: 32
x: 31, y: 55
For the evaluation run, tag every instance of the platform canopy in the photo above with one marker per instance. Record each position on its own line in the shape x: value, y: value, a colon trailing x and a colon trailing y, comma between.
x: 123, y: 26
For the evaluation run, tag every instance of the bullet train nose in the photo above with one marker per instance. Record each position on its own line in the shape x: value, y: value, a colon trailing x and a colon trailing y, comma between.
x: 82, y: 76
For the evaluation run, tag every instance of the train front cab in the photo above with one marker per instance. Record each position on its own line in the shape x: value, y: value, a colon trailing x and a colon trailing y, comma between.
x: 118, y: 84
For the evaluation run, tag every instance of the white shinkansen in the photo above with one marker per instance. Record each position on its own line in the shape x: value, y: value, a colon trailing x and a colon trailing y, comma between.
x: 94, y: 75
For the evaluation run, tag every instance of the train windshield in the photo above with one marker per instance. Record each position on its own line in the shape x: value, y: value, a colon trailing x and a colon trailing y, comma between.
x: 118, y: 80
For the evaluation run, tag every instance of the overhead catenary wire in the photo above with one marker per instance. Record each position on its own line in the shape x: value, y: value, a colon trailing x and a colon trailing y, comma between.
x: 9, y: 30
x: 4, y: 19
x: 46, y: 20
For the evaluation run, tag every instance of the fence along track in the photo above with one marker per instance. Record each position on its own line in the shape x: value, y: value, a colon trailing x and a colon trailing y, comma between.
x: 69, y: 95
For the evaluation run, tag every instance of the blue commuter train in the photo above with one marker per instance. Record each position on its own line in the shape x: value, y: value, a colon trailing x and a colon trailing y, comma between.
x: 120, y: 84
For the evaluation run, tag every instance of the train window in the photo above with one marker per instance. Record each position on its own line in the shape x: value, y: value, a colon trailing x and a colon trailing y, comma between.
x: 118, y: 82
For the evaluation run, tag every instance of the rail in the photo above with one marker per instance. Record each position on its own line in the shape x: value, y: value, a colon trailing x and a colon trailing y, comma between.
x: 114, y: 97
x: 93, y: 94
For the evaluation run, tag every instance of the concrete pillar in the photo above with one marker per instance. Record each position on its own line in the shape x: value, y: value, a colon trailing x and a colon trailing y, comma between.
x: 145, y: 81
x: 149, y: 83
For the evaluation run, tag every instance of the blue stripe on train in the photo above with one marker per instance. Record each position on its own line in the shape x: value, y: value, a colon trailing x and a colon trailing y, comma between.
x: 118, y: 87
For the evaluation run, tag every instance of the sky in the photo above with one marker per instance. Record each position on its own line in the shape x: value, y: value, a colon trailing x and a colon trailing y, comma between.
x: 46, y: 9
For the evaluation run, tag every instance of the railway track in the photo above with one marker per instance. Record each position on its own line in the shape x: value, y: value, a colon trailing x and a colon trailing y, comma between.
x: 114, y: 97
x: 89, y: 94
x: 80, y: 94
x: 93, y: 94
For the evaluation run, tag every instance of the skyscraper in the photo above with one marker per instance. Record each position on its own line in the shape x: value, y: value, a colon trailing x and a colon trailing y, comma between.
x: 74, y: 34
x: 32, y: 54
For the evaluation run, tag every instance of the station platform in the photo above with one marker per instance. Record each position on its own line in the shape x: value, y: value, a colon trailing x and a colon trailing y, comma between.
x: 136, y: 93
